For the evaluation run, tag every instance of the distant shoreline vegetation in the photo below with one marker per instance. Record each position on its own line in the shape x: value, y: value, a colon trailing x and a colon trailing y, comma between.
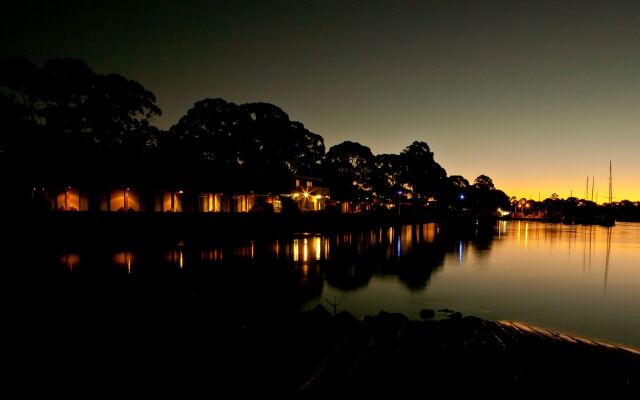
x: 64, y: 127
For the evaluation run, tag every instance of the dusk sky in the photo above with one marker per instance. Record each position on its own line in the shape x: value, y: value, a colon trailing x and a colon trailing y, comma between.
x: 537, y: 95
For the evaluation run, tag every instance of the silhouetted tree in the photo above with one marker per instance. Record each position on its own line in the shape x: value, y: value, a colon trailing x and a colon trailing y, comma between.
x: 348, y: 168
x: 459, y: 182
x: 386, y: 180
x: 249, y: 147
x: 277, y: 148
x: 456, y: 190
x: 70, y: 125
x: 484, y: 199
x: 483, y: 182
x: 101, y: 121
x: 421, y: 174
x: 21, y: 97
x: 206, y: 142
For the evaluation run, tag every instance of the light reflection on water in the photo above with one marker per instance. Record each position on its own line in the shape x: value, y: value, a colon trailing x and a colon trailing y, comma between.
x: 581, y: 279
x: 124, y: 259
x: 70, y: 260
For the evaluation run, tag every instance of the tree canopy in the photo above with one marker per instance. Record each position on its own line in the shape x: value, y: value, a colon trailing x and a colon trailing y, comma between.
x: 252, y: 146
x: 421, y: 175
x: 64, y: 124
x: 348, y: 168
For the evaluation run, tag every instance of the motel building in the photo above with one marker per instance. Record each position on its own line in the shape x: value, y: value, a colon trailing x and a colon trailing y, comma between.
x: 307, y: 194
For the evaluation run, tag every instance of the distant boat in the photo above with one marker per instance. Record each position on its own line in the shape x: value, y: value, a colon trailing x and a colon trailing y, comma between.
x: 603, y: 216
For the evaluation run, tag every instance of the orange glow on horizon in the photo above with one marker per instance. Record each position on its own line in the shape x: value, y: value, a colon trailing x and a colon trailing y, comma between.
x: 529, y: 190
x: 564, y: 176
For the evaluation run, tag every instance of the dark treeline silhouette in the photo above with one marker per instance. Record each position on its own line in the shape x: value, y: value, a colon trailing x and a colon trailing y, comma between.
x: 249, y: 147
x: 575, y: 210
x: 65, y: 125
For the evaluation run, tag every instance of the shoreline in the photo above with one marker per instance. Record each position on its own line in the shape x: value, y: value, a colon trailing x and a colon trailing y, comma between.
x: 494, y: 355
x: 316, y: 355
x: 555, y: 334
x: 75, y: 226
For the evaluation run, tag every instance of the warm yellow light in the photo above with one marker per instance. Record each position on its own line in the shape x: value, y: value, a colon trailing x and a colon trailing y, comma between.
x: 124, y: 258
x: 305, y: 251
x: 318, y: 248
x: 70, y: 260
x: 180, y: 191
x: 305, y: 194
x: 296, y: 250
x: 318, y: 197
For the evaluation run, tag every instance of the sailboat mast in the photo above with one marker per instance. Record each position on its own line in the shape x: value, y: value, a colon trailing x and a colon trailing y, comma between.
x: 610, y: 184
x: 586, y: 191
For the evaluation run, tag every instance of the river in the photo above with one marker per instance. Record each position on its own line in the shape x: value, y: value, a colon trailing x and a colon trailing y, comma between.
x: 583, y: 280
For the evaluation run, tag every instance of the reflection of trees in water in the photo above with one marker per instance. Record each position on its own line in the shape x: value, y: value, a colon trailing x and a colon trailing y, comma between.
x: 227, y: 277
x: 411, y: 252
x: 258, y: 277
x: 348, y: 275
x: 197, y: 280
x: 479, y: 236
x: 482, y: 243
x: 416, y: 268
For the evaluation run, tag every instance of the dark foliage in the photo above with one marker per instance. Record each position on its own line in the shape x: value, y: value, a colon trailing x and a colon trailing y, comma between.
x: 248, y: 147
x: 65, y: 125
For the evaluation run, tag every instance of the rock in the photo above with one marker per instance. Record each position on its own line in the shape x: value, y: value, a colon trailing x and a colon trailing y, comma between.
x: 318, y: 314
x: 471, y: 320
x: 393, y: 318
x: 346, y: 319
x: 427, y: 313
x: 456, y: 315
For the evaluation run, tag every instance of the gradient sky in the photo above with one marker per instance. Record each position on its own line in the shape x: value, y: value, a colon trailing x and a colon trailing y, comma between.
x: 537, y: 95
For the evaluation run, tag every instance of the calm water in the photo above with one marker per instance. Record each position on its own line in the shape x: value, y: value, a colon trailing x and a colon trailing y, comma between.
x: 578, y: 279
